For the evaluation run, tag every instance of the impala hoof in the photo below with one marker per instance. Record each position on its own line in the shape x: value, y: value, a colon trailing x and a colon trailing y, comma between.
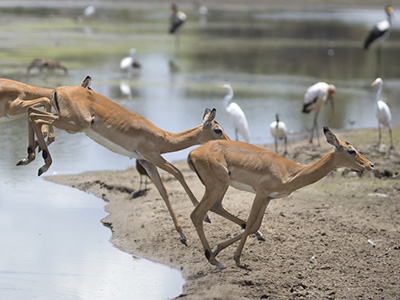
x: 22, y: 162
x: 207, y: 219
x: 220, y: 266
x: 260, y: 236
x: 182, y: 238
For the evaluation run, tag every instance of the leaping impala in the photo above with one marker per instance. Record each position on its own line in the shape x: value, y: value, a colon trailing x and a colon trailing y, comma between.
x: 17, y: 97
x: 220, y: 164
x: 124, y: 132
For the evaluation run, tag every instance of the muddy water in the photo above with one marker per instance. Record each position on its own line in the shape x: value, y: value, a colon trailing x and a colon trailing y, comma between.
x: 269, y: 57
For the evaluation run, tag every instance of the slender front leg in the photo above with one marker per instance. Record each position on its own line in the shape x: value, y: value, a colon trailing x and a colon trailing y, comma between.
x: 37, y: 119
x: 220, y: 210
x: 156, y: 178
x: 215, y: 192
x: 31, y: 146
x: 253, y: 224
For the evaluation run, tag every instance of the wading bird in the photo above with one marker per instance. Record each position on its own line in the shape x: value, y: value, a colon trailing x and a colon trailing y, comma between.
x: 130, y: 62
x: 235, y: 114
x: 382, y: 113
x: 220, y: 164
x: 315, y: 96
x: 381, y: 29
x: 121, y: 131
x: 279, y: 132
x: 177, y: 18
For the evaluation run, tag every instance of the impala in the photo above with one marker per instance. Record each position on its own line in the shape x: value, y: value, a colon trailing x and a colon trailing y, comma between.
x: 49, y: 64
x: 17, y: 97
x: 220, y: 164
x: 79, y: 109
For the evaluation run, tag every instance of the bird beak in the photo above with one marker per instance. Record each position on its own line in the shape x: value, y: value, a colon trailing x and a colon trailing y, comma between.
x: 221, y: 85
x: 374, y: 83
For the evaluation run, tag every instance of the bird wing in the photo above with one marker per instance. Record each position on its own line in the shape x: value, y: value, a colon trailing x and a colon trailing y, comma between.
x: 239, y: 120
x: 126, y: 62
x: 177, y: 20
x: 383, y: 113
x: 377, y: 31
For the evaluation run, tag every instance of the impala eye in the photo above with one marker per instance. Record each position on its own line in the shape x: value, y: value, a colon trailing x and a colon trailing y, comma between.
x: 351, y: 151
x: 218, y: 131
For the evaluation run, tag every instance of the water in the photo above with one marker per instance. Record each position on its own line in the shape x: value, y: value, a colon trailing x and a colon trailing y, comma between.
x: 53, y: 244
x: 269, y: 57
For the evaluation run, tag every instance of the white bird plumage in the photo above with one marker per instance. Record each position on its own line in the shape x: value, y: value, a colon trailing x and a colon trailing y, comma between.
x: 315, y: 96
x: 130, y: 62
x: 235, y: 114
x: 279, y: 132
x: 382, y: 113
x: 381, y: 29
x: 177, y: 18
x: 89, y: 11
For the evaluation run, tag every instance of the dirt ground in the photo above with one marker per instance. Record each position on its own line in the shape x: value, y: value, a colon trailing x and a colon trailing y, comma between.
x: 336, y: 239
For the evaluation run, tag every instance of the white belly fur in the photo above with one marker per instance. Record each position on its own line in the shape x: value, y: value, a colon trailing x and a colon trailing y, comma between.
x: 245, y: 187
x: 242, y: 186
x: 110, y: 145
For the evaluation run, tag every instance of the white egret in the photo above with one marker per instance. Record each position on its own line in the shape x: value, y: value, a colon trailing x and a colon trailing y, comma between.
x: 235, y: 114
x: 315, y: 96
x: 383, y: 114
x: 177, y: 18
x: 89, y: 11
x: 130, y: 62
x: 380, y: 31
x: 279, y: 132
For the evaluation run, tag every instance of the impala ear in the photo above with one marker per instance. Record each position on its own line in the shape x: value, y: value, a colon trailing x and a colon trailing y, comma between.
x: 331, y: 138
x: 86, y: 82
x: 209, y: 116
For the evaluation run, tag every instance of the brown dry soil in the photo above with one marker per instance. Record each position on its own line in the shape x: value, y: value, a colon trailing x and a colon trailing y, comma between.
x: 336, y: 239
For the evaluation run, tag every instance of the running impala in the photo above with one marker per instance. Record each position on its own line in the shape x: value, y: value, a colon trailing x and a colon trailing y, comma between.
x: 17, y: 97
x: 220, y: 164
x: 79, y: 109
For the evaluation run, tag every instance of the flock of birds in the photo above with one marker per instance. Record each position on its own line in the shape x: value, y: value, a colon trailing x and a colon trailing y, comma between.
x: 316, y: 95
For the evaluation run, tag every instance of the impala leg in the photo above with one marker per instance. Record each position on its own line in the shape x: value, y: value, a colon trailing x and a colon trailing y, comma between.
x: 250, y: 228
x: 198, y: 214
x: 31, y: 146
x: 37, y: 119
x: 160, y: 162
x: 21, y: 106
x: 276, y: 145
x: 220, y: 210
x: 253, y: 224
x: 156, y: 178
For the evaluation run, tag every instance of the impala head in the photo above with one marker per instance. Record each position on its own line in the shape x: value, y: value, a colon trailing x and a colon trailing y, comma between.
x: 211, y: 129
x: 348, y: 155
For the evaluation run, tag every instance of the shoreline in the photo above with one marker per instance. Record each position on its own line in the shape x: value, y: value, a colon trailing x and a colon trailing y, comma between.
x: 316, y: 239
